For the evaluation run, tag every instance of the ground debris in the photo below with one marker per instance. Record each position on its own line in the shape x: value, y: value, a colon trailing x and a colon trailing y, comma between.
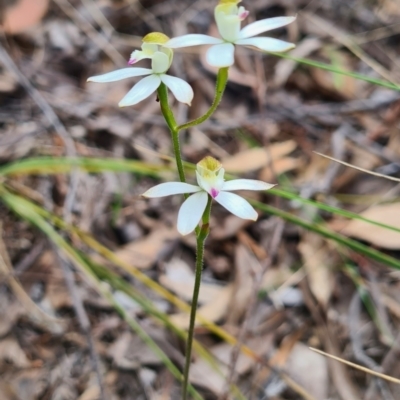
x: 302, y: 290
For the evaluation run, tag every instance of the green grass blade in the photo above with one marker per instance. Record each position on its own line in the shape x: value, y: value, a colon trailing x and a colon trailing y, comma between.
x: 24, y: 210
x: 151, y: 344
x: 332, y: 68
x: 333, y: 210
x: 99, y: 273
x: 368, y: 302
x: 340, y: 239
x: 137, y: 274
x: 49, y: 165
x: 117, y: 283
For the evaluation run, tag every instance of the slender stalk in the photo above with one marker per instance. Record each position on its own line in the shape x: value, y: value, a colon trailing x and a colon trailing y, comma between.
x: 222, y: 79
x: 201, y: 238
x: 171, y: 122
x: 165, y: 108
x: 201, y: 233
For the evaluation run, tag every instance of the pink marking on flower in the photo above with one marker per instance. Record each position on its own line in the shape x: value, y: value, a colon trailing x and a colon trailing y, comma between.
x: 132, y: 61
x: 244, y: 14
x: 214, y: 193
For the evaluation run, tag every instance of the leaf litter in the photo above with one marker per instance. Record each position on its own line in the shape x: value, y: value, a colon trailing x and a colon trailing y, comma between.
x: 274, y: 114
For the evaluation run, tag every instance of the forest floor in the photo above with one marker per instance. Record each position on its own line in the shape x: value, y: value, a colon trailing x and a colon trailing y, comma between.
x: 301, y: 276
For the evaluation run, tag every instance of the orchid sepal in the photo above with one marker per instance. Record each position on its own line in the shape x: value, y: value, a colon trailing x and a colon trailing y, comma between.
x: 210, y: 182
x: 161, y: 59
x: 228, y: 16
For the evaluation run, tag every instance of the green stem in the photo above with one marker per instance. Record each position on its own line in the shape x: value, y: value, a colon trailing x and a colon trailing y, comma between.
x: 201, y: 233
x: 222, y: 79
x: 171, y: 122
x: 165, y: 108
x: 201, y: 238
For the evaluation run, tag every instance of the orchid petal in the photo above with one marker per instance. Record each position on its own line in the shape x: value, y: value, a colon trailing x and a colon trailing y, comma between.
x: 181, y: 89
x: 120, y: 74
x: 264, y: 25
x: 193, y: 39
x: 141, y: 91
x: 267, y: 44
x: 191, y: 212
x: 170, y: 188
x: 246, y: 184
x: 136, y: 56
x: 237, y: 205
x: 221, y: 55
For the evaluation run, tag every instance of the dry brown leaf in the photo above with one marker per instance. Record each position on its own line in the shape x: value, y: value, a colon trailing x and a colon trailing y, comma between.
x: 212, y: 311
x: 275, y: 277
x: 7, y: 392
x: 91, y: 393
x: 314, y: 170
x: 202, y: 374
x: 29, y: 384
x: 386, y: 214
x: 11, y: 352
x: 229, y: 228
x: 23, y: 15
x: 34, y: 313
x: 392, y: 305
x: 285, y: 67
x: 8, y: 83
x: 279, y: 167
x: 179, y: 278
x: 316, y: 264
x: 361, y: 158
x: 279, y: 358
x: 387, y: 8
x: 339, y: 373
x: 250, y: 243
x: 252, y: 159
x: 143, y: 253
x: 344, y: 86
x: 112, y: 93
x: 309, y: 371
x: 58, y: 296
x: 128, y: 352
x: 246, y: 265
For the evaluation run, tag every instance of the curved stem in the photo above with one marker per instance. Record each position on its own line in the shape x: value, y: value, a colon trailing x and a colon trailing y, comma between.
x: 222, y: 79
x: 201, y: 233
x: 171, y: 122
x: 201, y: 238
x: 162, y: 92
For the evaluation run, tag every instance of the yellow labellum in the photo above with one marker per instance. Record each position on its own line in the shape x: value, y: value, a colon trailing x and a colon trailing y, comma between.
x: 156, y: 38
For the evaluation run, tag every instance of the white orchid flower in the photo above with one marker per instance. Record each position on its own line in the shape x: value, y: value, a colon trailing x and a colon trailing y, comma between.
x: 161, y: 59
x: 228, y: 17
x: 210, y: 180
